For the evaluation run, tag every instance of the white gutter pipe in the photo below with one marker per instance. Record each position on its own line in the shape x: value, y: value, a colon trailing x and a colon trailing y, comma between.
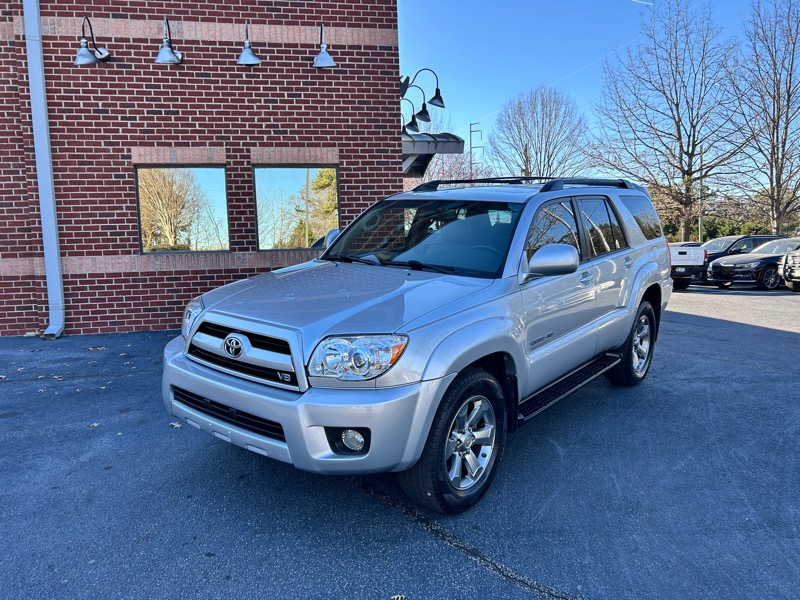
x: 44, y: 170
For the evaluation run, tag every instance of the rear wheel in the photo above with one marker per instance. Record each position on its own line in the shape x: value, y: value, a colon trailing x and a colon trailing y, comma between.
x: 724, y: 285
x: 463, y: 448
x: 769, y: 279
x: 637, y: 352
x: 681, y: 284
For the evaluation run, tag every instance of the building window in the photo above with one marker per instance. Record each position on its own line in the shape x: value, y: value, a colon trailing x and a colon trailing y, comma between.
x: 183, y: 209
x: 296, y: 206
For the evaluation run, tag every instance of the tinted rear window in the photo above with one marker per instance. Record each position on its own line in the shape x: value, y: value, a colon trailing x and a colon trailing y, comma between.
x: 645, y: 215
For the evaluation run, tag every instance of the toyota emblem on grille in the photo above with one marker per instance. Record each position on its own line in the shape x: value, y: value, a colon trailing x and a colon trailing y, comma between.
x: 233, y: 346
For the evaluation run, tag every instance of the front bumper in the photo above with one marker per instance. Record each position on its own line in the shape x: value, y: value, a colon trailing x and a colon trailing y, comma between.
x: 398, y: 418
x: 732, y: 275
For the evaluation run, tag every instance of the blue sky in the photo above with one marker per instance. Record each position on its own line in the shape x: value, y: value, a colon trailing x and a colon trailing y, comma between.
x: 487, y: 52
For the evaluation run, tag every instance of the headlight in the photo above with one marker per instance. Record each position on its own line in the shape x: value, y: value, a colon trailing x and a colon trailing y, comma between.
x: 356, y: 358
x: 789, y: 259
x: 751, y: 265
x: 190, y: 314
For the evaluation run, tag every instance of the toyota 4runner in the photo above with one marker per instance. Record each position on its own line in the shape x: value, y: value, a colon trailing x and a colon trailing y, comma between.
x: 438, y: 321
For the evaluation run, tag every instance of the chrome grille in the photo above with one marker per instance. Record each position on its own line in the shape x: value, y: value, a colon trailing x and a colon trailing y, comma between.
x: 264, y: 358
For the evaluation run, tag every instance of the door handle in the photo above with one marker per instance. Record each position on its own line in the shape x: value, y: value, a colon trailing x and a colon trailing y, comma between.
x: 627, y: 262
x: 586, y: 279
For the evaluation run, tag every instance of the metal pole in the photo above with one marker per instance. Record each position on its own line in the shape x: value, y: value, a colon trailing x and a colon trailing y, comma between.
x: 307, y: 175
x: 471, y: 147
x: 700, y: 201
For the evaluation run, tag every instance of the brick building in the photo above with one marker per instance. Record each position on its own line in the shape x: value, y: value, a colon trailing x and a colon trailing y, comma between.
x: 113, y: 123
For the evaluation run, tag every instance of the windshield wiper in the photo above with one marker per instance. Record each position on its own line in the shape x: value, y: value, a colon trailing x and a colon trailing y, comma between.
x: 419, y: 266
x: 351, y: 259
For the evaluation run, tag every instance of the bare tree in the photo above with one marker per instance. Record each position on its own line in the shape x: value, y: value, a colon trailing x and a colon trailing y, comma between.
x: 767, y: 84
x: 667, y: 112
x: 540, y: 132
x: 170, y: 203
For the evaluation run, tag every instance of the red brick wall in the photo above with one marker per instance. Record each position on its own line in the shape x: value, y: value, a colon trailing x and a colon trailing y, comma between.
x: 106, y: 118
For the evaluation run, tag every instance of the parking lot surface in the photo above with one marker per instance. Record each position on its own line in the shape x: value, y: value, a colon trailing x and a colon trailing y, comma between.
x: 687, y: 486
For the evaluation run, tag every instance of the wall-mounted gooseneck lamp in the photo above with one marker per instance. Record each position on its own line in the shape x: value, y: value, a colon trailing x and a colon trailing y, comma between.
x: 167, y: 55
x: 247, y: 57
x: 323, y: 59
x: 86, y: 56
x: 412, y: 124
x: 406, y: 82
x: 423, y: 114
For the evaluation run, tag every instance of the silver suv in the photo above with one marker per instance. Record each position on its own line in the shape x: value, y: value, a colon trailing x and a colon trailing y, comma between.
x: 440, y: 320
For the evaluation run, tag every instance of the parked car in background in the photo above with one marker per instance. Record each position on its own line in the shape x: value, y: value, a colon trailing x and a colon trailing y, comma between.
x: 759, y: 267
x: 789, y: 269
x: 689, y: 261
x: 732, y: 244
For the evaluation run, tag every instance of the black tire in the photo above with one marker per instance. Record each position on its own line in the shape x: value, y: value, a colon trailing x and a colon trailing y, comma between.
x: 637, y: 351
x: 793, y: 285
x: 724, y: 285
x: 681, y: 284
x: 473, y: 403
x: 769, y: 279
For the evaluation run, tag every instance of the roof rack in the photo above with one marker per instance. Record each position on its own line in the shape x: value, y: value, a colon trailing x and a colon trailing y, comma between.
x: 430, y: 186
x: 559, y: 184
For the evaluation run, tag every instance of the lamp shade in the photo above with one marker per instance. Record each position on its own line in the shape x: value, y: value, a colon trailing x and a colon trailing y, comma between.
x: 323, y: 59
x: 248, y: 57
x: 423, y: 114
x: 437, y: 99
x: 167, y: 56
x: 85, y: 56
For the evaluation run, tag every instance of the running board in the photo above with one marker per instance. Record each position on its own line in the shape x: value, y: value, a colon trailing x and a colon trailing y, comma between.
x: 566, y: 385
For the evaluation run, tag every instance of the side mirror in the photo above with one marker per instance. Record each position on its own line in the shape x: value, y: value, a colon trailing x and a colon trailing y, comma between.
x: 553, y: 259
x: 330, y: 237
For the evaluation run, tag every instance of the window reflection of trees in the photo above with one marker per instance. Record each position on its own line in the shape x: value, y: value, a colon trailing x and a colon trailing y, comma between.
x: 554, y: 224
x: 296, y: 218
x: 177, y: 213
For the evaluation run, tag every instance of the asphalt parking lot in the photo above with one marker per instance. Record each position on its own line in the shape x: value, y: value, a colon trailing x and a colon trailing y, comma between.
x: 687, y: 486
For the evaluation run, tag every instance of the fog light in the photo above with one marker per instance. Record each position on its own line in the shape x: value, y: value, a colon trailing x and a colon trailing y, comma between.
x: 353, y: 440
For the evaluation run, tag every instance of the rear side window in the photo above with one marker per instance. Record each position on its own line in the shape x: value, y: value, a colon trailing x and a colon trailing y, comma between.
x: 644, y: 214
x: 601, y: 225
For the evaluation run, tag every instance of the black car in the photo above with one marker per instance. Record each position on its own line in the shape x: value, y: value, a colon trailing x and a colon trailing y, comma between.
x: 758, y: 267
x: 732, y: 244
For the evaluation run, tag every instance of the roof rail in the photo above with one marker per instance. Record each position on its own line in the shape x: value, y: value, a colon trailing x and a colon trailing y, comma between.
x: 559, y: 184
x: 430, y: 186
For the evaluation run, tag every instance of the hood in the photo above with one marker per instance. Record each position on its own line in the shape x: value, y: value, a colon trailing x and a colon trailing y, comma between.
x: 742, y: 259
x: 328, y: 298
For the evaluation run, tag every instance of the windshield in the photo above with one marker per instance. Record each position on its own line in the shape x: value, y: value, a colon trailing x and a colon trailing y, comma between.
x: 719, y: 244
x: 777, y: 247
x: 458, y: 237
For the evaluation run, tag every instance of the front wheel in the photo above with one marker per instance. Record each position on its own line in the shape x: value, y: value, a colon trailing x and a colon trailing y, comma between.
x: 769, y: 279
x: 637, y: 351
x: 464, y: 446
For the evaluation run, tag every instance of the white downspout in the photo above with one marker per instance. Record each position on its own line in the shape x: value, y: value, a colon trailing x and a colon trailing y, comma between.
x: 44, y: 170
